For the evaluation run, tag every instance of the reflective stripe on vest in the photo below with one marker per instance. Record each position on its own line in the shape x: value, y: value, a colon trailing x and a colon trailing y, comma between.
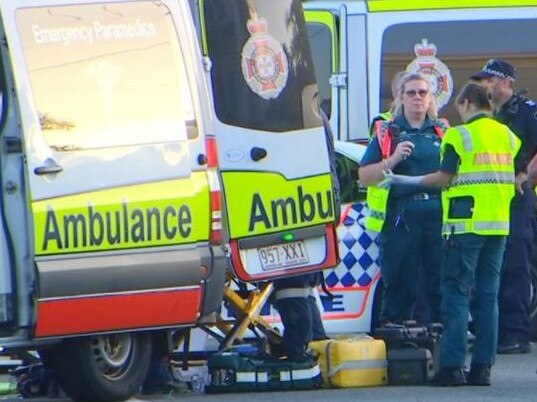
x: 384, y: 138
x: 466, y: 138
x: 483, y: 178
x: 467, y: 227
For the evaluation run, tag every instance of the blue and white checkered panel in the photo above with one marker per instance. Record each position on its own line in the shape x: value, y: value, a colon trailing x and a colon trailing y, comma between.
x: 358, y: 249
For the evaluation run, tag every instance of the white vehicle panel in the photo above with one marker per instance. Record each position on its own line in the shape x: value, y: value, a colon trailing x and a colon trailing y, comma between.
x: 236, y: 143
x: 379, y: 22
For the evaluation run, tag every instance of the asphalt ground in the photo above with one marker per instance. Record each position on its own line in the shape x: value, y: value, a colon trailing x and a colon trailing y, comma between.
x: 514, y: 379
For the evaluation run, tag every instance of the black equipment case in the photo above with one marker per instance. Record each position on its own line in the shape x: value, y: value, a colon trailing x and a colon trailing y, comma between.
x: 413, y: 352
x: 410, y: 366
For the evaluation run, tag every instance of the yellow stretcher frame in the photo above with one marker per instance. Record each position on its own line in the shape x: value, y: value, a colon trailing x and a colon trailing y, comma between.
x: 248, y: 314
x: 247, y: 310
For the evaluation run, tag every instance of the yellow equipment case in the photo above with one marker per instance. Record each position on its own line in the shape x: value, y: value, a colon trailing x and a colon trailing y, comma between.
x: 352, y: 362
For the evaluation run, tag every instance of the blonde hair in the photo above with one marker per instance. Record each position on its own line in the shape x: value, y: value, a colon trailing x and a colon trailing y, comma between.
x: 395, y: 82
x: 397, y: 105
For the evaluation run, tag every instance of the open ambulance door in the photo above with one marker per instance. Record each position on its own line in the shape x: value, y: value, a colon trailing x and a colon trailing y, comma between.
x: 273, y: 157
x: 13, y: 225
x: 329, y: 69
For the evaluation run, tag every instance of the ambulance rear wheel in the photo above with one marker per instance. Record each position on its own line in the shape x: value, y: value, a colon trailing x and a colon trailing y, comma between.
x: 101, y: 368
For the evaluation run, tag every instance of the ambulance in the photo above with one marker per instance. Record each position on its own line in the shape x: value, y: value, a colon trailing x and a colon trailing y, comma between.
x: 358, y: 46
x: 139, y: 171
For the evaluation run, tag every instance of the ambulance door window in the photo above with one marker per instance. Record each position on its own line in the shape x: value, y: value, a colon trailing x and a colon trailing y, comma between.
x: 347, y: 173
x: 96, y: 71
x: 448, y: 52
x: 262, y: 71
x: 322, y: 51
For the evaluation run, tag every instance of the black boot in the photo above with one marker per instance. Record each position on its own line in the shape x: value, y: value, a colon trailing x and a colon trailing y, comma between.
x: 451, y: 377
x: 479, y: 374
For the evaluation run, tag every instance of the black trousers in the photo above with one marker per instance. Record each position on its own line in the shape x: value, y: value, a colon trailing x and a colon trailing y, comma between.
x: 515, y: 282
x: 302, y: 323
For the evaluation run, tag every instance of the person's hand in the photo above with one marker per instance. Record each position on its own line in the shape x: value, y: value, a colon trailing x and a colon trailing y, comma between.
x: 402, y: 151
x: 390, y: 179
x: 387, y: 182
x: 520, y: 179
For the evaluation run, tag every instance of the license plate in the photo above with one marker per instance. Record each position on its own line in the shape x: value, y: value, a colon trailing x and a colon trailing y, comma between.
x: 283, y: 255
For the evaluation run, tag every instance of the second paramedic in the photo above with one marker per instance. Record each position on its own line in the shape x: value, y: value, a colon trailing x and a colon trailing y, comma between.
x: 408, y: 218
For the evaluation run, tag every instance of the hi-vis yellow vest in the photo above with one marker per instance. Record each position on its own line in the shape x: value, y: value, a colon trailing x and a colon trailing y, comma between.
x: 377, y: 198
x: 486, y: 174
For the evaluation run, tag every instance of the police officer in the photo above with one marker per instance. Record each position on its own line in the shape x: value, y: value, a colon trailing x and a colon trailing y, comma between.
x: 498, y: 76
x: 295, y: 300
x: 477, y: 165
x: 409, y: 218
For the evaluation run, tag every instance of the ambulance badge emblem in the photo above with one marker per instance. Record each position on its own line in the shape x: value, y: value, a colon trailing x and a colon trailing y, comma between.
x: 437, y: 72
x: 263, y: 62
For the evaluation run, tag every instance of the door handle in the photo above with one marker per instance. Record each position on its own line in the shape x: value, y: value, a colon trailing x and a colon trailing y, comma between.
x: 50, y: 167
x: 257, y: 153
x: 202, y: 159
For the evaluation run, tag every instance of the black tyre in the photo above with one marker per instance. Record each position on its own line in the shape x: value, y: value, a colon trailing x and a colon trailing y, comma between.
x: 101, y: 368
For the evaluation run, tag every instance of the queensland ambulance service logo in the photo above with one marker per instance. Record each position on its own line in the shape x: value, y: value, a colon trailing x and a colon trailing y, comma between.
x: 263, y: 61
x: 438, y: 73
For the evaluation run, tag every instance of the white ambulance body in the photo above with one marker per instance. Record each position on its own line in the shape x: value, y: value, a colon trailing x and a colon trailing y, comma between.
x: 358, y: 46
x: 113, y: 216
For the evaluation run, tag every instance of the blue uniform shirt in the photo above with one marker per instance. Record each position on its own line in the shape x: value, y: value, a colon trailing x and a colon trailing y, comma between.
x: 520, y: 115
x: 424, y: 159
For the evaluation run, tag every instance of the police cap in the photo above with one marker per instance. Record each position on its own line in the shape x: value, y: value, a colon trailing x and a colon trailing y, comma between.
x: 496, y: 68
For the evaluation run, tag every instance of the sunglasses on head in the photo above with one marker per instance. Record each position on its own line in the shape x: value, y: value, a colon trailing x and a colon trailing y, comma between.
x: 412, y: 92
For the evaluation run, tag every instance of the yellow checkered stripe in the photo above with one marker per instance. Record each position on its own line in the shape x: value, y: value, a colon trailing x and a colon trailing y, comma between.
x: 398, y: 5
